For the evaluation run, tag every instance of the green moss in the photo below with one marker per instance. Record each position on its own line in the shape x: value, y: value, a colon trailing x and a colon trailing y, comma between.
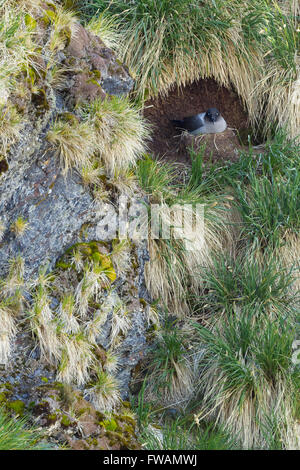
x: 96, y: 257
x: 62, y: 265
x: 8, y: 386
x: 17, y: 406
x: 118, y: 438
x: 53, y: 417
x: 127, y: 419
x: 109, y: 424
x: 143, y: 302
x: 65, y: 421
x: 44, y: 379
x: 3, y: 397
x: 82, y: 411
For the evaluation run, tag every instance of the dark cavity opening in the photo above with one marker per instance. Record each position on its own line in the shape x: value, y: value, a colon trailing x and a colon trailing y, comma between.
x: 194, y: 98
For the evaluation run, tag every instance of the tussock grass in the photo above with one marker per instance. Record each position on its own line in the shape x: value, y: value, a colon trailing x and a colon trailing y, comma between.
x: 252, y: 46
x: 119, y: 129
x: 11, y: 125
x: 185, y: 249
x: 288, y: 254
x: 90, y: 174
x: 15, y: 434
x: 247, y: 375
x: 75, y: 143
x: 19, y: 226
x: 247, y: 281
x: 155, y: 177
x: 65, y: 25
x: 13, y: 283
x: 124, y: 180
x: 120, y: 323
x: 121, y: 256
x: 104, y: 26
x: 66, y: 309
x: 17, y: 49
x: 170, y: 375
x: 76, y: 359
x: 157, y: 432
x: 269, y: 208
x: 112, y: 129
x: 179, y: 436
x: 104, y: 393
x: 44, y: 326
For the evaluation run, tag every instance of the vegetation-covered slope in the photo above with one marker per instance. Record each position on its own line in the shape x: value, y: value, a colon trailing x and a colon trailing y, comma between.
x: 220, y: 315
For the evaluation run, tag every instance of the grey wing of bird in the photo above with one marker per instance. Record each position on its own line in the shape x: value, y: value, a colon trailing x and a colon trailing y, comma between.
x: 191, y: 123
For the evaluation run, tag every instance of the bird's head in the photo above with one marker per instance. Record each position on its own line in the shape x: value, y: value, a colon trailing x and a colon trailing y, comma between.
x: 212, y: 114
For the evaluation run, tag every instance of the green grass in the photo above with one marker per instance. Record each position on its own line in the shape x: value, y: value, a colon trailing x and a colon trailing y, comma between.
x: 15, y: 434
x: 175, y: 436
x: 252, y: 45
x: 246, y: 282
x: 247, y: 374
x: 155, y: 177
x: 158, y: 431
x: 169, y: 375
x: 269, y: 208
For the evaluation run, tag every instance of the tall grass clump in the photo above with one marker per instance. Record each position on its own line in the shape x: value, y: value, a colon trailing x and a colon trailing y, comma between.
x: 178, y: 436
x: 17, y: 49
x: 15, y: 434
x: 247, y: 376
x: 75, y: 143
x: 269, y: 208
x: 246, y: 281
x: 170, y: 374
x: 250, y: 45
x: 190, y: 226
x: 104, y: 26
x: 119, y: 130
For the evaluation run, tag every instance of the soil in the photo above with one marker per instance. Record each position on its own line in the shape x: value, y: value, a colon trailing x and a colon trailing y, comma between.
x: 167, y: 143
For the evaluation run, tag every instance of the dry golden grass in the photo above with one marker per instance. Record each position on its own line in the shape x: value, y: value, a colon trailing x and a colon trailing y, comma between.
x: 19, y: 226
x: 66, y: 315
x: 8, y: 330
x: 288, y: 254
x: 280, y: 90
x: 75, y: 143
x: 106, y: 28
x: 14, y: 281
x: 120, y: 324
x: 120, y: 132
x: 124, y: 180
x: 176, y: 263
x: 44, y: 326
x: 120, y: 256
x: 76, y: 359
x: 111, y: 362
x: 2, y: 230
x: 90, y: 174
x: 105, y: 394
x: 11, y: 124
x: 65, y: 26
x: 245, y: 420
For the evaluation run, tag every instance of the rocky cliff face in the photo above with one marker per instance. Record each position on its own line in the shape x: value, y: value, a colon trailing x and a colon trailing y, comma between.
x: 33, y: 187
x: 46, y: 212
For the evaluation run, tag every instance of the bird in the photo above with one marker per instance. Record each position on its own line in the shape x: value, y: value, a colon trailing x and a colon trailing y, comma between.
x: 209, y: 122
